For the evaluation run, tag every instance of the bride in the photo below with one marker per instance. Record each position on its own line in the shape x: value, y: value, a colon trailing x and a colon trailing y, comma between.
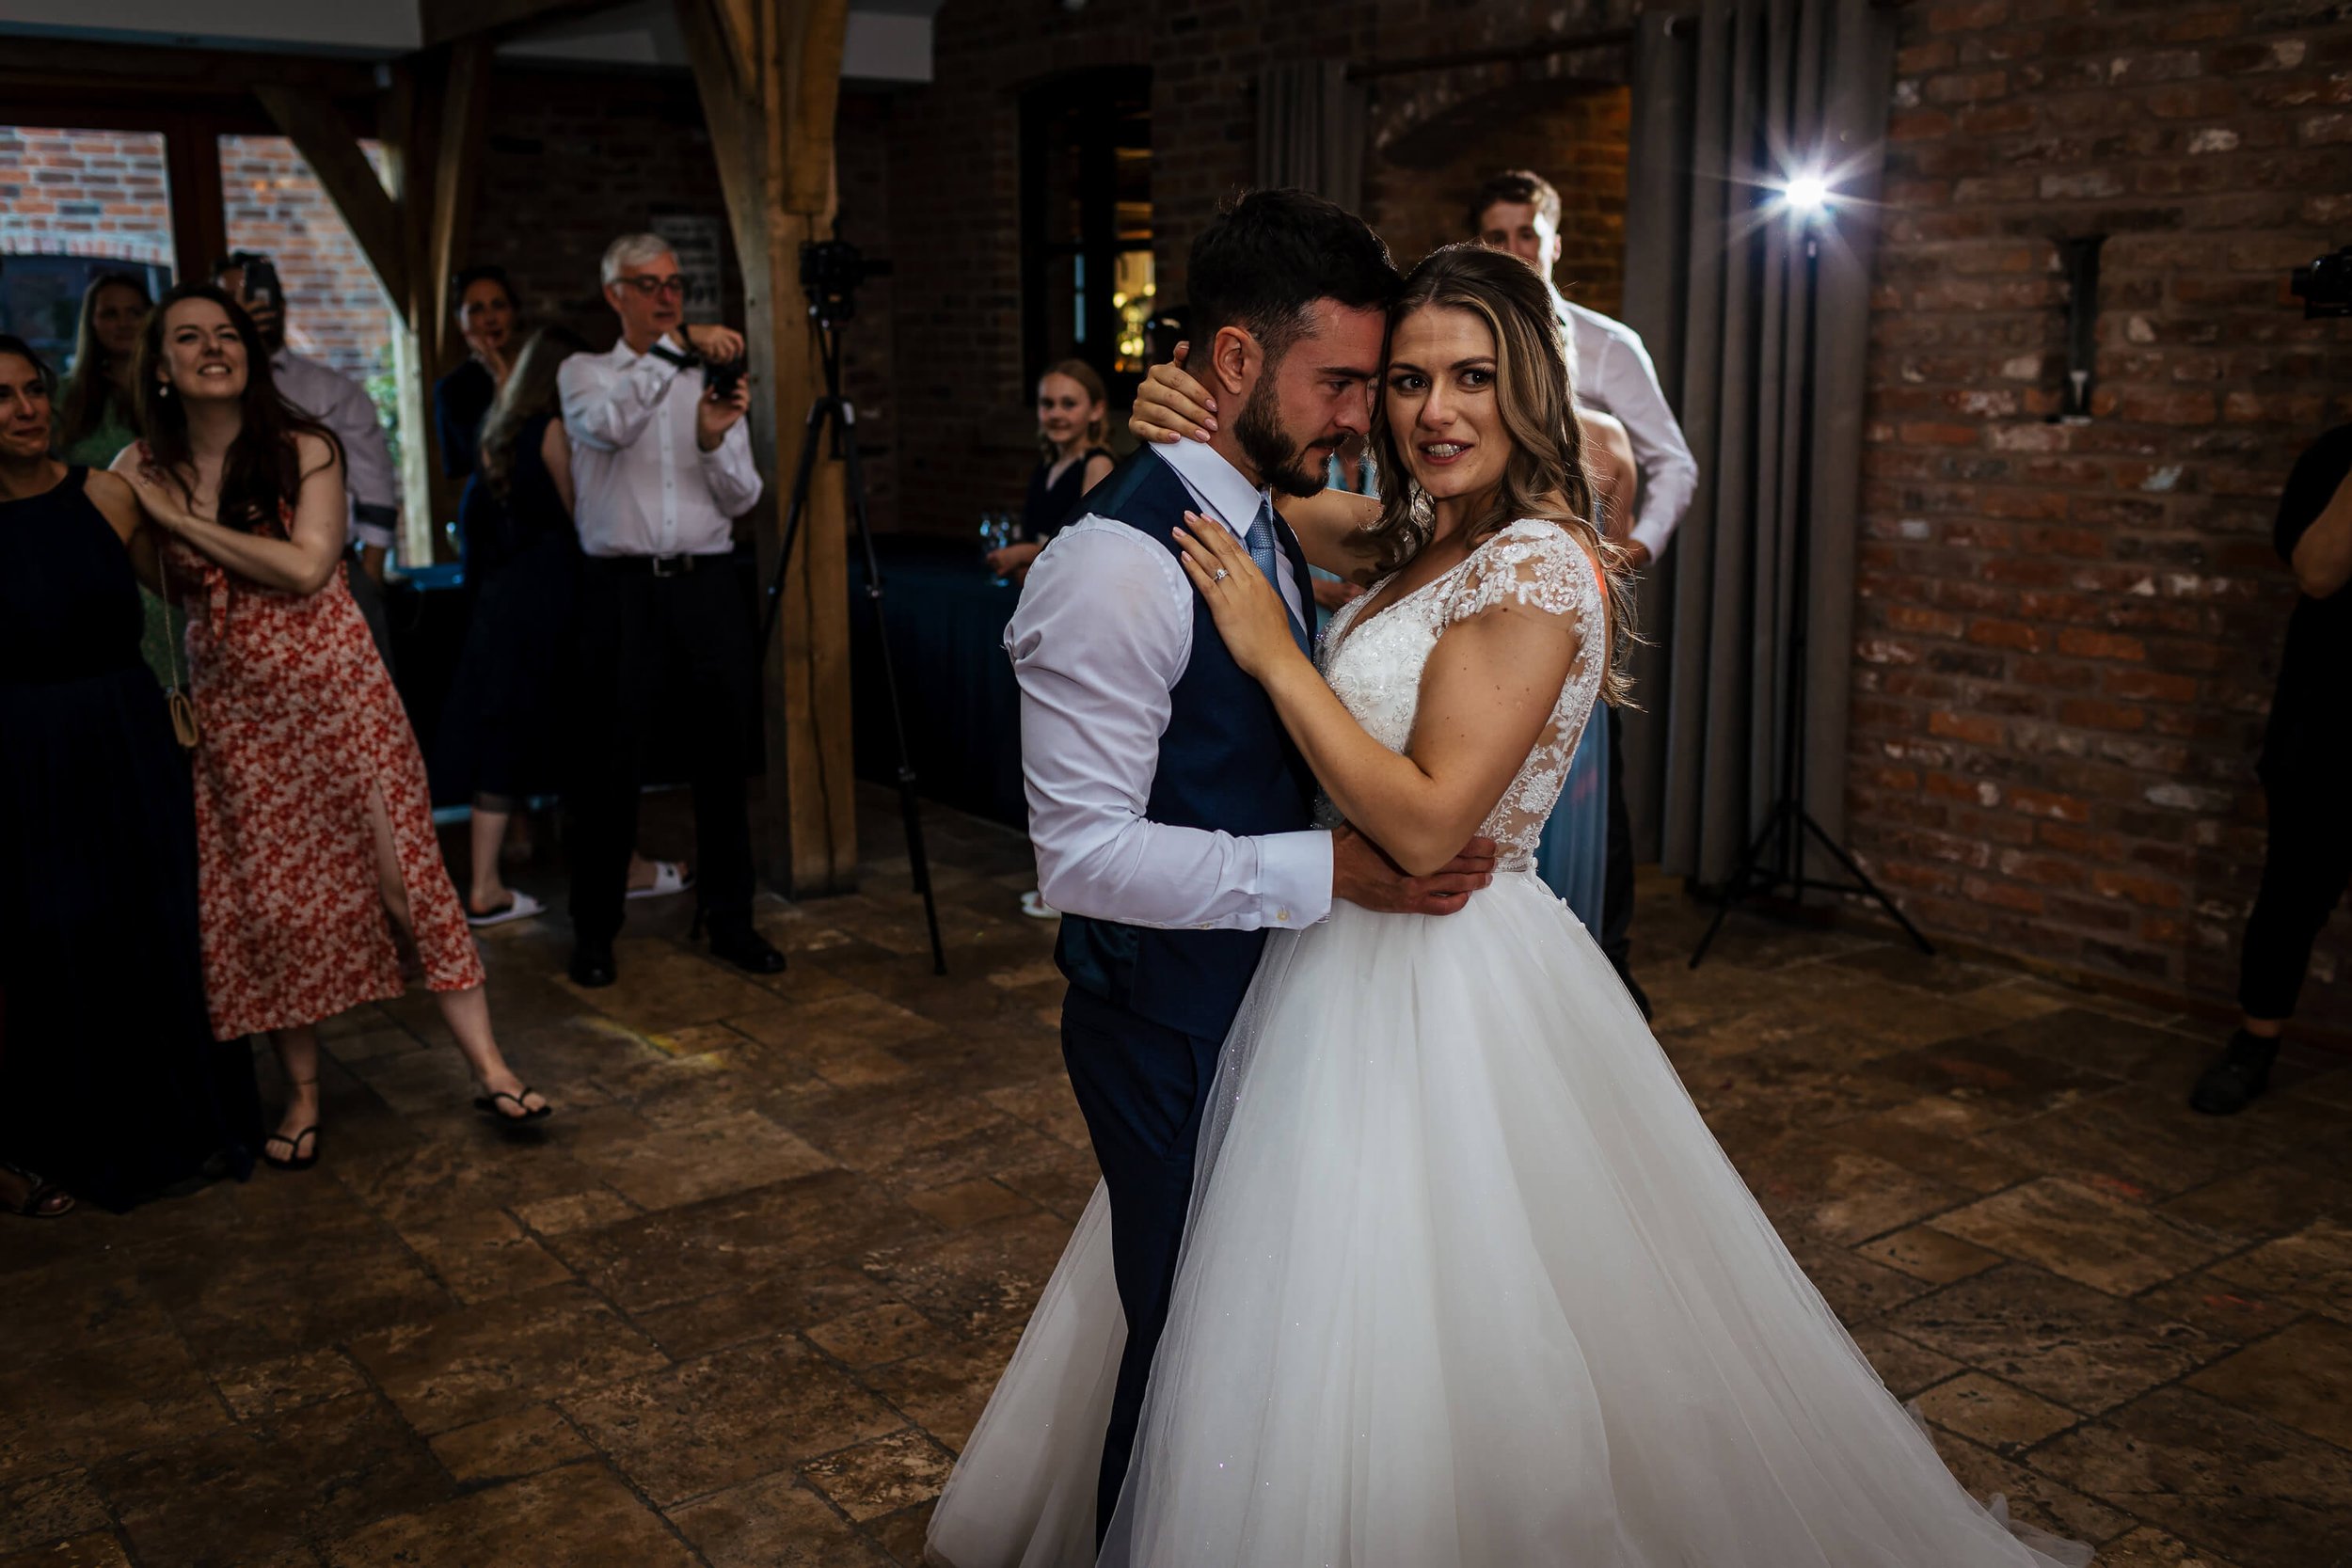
x: 1466, y: 1283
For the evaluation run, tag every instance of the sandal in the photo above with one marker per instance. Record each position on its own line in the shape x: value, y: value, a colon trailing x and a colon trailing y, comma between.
x: 295, y: 1159
x: 41, y: 1195
x: 669, y: 877
x: 518, y: 906
x: 489, y: 1106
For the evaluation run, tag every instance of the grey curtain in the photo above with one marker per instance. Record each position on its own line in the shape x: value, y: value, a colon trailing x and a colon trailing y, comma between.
x: 1310, y: 130
x: 1729, y: 98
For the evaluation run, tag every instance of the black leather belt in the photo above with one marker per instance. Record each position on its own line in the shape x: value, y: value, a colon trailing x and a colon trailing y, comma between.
x: 656, y: 565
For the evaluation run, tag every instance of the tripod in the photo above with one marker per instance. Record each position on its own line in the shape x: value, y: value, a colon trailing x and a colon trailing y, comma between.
x: 1787, y: 823
x: 833, y: 413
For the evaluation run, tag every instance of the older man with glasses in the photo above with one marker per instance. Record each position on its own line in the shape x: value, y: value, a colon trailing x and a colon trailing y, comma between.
x: 661, y: 465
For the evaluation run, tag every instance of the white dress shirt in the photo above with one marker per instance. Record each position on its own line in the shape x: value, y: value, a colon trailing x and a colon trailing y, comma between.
x: 644, y: 486
x: 1614, y: 375
x: 370, y: 483
x: 1103, y: 634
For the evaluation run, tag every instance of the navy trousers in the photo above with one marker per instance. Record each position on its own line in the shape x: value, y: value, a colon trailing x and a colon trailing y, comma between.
x: 1142, y: 1087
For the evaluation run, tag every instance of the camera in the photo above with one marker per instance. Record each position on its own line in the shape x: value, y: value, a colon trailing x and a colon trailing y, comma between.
x: 830, y: 272
x: 260, y: 279
x: 2324, y: 287
x: 722, y: 377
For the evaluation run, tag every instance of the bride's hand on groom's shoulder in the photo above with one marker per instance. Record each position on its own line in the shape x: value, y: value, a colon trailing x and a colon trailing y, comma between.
x: 1170, y: 405
x: 1363, y: 875
x: 1250, y: 614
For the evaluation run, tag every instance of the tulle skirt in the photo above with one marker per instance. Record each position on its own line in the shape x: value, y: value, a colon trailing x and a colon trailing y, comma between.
x: 1466, y: 1284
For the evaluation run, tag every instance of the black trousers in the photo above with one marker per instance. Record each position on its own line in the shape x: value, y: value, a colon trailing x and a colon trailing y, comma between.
x: 1617, y: 887
x: 1142, y: 1087
x: 2305, y: 869
x: 670, y: 658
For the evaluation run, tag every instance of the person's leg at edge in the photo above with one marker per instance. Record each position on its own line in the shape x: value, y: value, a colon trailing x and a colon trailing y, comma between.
x: 1139, y: 1085
x: 602, y: 801
x: 2306, y: 864
x: 485, y: 888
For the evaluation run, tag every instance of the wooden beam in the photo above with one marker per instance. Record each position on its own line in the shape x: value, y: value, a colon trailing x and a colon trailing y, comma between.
x: 112, y: 82
x: 449, y: 21
x: 199, y: 220
x: 319, y: 131
x: 457, y: 163
x: 769, y: 98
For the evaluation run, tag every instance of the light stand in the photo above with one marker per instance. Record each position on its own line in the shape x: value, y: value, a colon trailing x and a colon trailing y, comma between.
x: 832, y: 414
x: 1788, y: 823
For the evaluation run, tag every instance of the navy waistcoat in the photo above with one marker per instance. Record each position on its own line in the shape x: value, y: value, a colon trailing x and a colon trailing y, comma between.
x: 1225, y: 764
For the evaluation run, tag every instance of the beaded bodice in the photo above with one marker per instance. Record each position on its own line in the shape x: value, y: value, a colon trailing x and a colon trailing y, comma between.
x: 1377, y: 669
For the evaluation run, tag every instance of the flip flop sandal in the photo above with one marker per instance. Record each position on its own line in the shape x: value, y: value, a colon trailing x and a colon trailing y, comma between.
x: 520, y: 906
x: 669, y: 877
x: 489, y: 1106
x: 39, y: 1193
x: 295, y: 1159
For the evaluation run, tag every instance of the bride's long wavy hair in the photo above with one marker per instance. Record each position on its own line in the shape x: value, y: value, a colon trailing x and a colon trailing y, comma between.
x: 1544, y: 476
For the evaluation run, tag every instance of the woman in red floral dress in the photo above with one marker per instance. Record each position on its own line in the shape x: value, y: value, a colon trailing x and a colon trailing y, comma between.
x: 313, y: 820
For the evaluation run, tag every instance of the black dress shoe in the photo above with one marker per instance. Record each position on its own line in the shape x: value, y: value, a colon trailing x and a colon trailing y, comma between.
x: 748, y: 951
x: 592, y: 965
x: 2237, y: 1080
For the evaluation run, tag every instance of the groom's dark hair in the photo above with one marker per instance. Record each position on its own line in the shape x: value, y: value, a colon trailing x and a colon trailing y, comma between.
x: 1262, y: 260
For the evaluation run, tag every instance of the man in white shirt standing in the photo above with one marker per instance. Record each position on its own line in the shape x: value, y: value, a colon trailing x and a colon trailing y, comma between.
x: 343, y: 407
x: 1519, y: 211
x: 663, y: 466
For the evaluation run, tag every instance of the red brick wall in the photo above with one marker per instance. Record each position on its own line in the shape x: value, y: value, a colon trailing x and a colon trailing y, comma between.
x: 84, y: 193
x: 336, y: 312
x: 2067, y: 633
x: 1572, y: 134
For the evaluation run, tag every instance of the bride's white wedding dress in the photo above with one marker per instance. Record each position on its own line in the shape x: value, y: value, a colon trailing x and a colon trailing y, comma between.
x: 1467, y: 1283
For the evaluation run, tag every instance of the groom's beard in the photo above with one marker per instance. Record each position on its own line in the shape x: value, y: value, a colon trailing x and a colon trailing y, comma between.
x: 1282, y: 463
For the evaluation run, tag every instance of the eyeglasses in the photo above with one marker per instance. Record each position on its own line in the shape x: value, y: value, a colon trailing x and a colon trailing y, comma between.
x: 646, y: 287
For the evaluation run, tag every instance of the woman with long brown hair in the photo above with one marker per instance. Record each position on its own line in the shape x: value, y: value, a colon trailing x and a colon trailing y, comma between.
x: 313, y: 818
x: 1465, y: 1281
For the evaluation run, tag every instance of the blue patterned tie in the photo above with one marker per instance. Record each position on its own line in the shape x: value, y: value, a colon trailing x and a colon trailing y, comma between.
x: 1260, y: 542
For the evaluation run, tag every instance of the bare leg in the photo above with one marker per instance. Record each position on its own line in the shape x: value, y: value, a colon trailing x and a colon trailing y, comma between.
x: 2264, y: 1028
x: 298, y: 1054
x: 466, y: 1012
x: 487, y: 889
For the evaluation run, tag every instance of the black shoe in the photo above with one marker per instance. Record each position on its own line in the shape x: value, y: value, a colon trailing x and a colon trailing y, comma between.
x: 748, y: 951
x: 592, y: 965
x: 2238, y: 1079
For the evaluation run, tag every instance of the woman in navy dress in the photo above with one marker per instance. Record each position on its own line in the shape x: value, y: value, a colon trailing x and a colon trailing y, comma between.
x: 111, y: 1086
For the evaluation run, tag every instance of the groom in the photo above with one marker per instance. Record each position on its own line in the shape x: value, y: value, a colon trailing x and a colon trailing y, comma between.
x: 1171, y: 814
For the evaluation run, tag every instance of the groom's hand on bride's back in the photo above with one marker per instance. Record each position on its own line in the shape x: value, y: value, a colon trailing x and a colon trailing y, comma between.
x: 1363, y: 875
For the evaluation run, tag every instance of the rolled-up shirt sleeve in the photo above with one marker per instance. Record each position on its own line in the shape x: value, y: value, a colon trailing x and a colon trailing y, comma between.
x: 609, y: 408
x: 1103, y: 634
x: 1670, y: 475
x: 731, y: 473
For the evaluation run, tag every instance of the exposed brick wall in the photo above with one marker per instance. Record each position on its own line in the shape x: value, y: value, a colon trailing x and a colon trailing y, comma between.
x: 1572, y: 133
x: 2067, y: 633
x: 84, y: 193
x: 336, y: 312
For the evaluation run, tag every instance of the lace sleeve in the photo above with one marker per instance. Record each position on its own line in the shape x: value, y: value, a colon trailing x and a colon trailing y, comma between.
x: 1530, y: 565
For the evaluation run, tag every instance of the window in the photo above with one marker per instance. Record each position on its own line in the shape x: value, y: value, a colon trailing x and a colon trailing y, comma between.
x: 1087, y: 286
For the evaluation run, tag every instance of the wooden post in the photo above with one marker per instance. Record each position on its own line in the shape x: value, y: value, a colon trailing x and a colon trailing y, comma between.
x: 199, y: 223
x: 768, y: 72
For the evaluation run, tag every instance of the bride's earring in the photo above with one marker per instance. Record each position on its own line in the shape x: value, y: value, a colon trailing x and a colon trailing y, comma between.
x: 163, y: 389
x: 1420, y: 508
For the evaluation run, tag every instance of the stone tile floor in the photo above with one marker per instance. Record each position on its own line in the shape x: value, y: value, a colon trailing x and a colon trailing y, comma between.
x: 743, y: 1300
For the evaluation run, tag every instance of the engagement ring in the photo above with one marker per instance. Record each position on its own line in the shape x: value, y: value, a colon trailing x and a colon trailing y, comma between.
x: 1220, y: 575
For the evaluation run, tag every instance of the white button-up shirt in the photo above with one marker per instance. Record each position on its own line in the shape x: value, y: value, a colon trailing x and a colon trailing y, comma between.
x: 644, y: 486
x: 1613, y: 375
x: 1103, y: 634
x: 343, y: 407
